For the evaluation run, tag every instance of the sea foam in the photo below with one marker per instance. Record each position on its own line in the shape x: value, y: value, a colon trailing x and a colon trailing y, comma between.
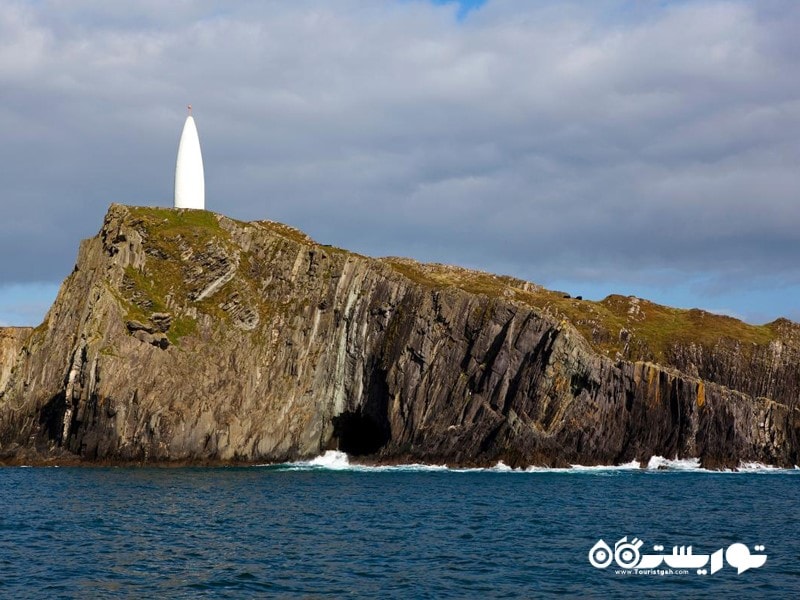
x: 336, y: 460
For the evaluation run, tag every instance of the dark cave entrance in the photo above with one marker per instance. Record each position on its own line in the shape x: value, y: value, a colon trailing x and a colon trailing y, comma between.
x: 365, y: 430
x: 51, y: 418
x: 359, y: 433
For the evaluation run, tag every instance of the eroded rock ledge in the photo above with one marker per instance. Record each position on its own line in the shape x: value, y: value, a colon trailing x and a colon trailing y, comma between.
x: 187, y: 337
x: 12, y: 340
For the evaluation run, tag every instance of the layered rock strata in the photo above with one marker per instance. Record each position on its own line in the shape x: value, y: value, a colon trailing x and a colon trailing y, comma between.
x: 12, y: 340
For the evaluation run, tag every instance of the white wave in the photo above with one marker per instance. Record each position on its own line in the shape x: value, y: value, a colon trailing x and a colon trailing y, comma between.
x: 332, y: 459
x: 659, y: 463
x: 693, y: 464
x: 335, y: 460
x: 629, y: 466
x: 534, y: 469
x: 757, y: 467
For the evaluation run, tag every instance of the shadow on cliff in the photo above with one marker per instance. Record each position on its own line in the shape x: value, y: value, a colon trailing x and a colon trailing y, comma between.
x: 365, y: 430
x: 51, y: 419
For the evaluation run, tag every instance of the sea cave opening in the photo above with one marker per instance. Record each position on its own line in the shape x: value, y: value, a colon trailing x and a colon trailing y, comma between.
x: 359, y: 434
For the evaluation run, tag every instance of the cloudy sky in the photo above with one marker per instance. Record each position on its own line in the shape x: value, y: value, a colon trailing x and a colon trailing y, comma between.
x: 645, y: 148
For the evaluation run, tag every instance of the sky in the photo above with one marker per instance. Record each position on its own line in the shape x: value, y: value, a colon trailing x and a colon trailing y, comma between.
x: 639, y: 148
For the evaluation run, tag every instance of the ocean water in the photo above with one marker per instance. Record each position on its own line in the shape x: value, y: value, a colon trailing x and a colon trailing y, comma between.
x: 325, y: 528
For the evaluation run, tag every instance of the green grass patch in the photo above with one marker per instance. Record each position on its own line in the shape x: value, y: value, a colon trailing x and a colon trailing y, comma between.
x: 171, y: 218
x: 147, y: 294
x: 286, y: 231
x: 181, y: 327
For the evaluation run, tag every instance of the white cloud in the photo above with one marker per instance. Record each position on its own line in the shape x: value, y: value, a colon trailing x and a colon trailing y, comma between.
x: 609, y: 140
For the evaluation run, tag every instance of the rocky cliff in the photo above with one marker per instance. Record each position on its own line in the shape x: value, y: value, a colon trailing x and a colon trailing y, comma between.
x: 188, y: 336
x: 12, y: 340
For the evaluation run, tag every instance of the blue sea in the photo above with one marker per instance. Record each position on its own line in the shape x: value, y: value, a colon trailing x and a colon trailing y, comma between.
x: 326, y: 528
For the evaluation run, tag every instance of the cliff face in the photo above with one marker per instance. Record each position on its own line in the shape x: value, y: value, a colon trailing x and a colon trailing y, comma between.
x: 187, y: 336
x: 12, y: 340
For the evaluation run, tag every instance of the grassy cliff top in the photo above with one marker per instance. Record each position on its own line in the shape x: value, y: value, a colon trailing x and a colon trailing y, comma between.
x: 624, y: 325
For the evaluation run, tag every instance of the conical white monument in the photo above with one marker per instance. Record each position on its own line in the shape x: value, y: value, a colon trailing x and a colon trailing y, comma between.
x: 190, y: 185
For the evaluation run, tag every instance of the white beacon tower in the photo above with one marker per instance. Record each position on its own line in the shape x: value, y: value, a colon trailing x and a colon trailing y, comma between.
x: 190, y: 185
